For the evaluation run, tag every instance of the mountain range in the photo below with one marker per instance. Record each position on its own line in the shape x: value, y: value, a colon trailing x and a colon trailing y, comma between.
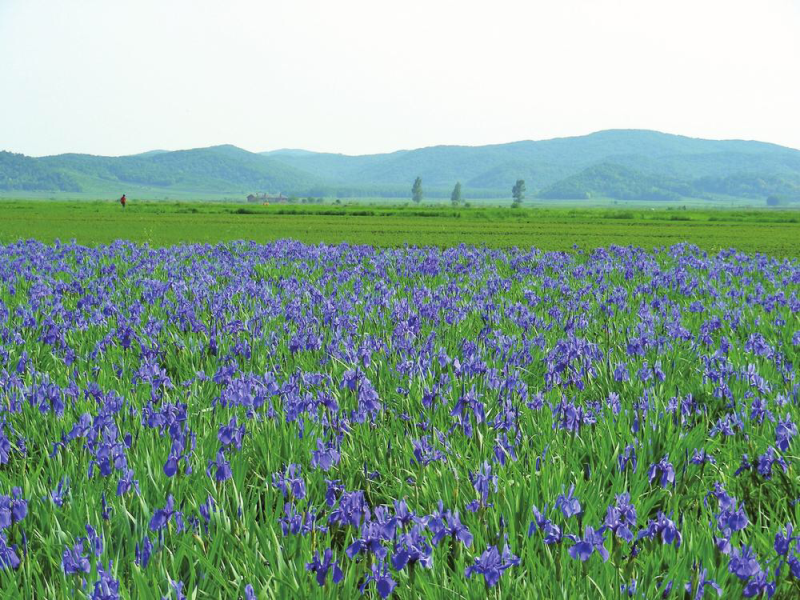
x: 620, y: 164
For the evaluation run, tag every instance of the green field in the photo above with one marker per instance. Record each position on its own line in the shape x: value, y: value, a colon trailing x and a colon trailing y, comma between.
x: 774, y: 232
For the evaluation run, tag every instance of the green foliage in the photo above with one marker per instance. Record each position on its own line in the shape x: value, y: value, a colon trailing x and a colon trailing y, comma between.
x: 518, y: 192
x: 771, y: 231
x: 18, y: 172
x: 753, y: 185
x: 455, y: 197
x: 216, y: 169
x: 416, y: 190
x: 615, y: 181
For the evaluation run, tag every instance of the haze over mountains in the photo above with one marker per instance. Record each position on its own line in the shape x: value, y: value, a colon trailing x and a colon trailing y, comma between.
x: 620, y: 164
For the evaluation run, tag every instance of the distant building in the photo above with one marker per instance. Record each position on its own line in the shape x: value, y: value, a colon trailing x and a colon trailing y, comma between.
x: 265, y: 199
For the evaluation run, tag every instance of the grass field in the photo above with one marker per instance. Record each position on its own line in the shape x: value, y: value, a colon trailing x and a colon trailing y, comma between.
x: 773, y: 232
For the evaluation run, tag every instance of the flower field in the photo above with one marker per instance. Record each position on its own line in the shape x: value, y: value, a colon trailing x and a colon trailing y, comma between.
x: 312, y: 421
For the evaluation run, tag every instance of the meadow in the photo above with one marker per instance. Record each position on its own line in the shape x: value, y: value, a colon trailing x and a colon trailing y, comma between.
x: 772, y: 232
x: 281, y: 420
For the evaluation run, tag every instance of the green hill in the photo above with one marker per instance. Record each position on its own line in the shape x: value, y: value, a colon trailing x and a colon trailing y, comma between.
x: 621, y: 164
x: 22, y: 173
x: 615, y: 181
x: 218, y: 169
x: 647, y: 165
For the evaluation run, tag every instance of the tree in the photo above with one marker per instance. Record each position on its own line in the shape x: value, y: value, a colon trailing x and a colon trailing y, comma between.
x: 455, y: 197
x: 416, y: 190
x: 518, y: 192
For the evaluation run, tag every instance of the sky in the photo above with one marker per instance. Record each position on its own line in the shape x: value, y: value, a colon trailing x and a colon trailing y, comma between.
x: 364, y: 76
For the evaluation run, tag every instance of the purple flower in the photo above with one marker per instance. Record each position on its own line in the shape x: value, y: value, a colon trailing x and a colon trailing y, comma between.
x: 170, y: 469
x: 725, y: 500
x: 469, y: 403
x: 220, y: 467
x: 733, y: 518
x: 321, y: 567
x: 19, y: 506
x: 662, y: 527
x: 744, y: 563
x: 539, y: 520
x: 12, y: 508
x: 552, y: 533
x: 482, y: 480
x: 665, y: 468
x: 290, y: 482
x: 351, y: 510
x: 784, y: 539
x: 592, y: 541
x: 758, y: 585
x: 404, y: 515
x: 127, y: 482
x: 8, y: 554
x: 628, y: 456
x: 628, y: 589
x: 425, y: 453
x: 723, y: 544
x: 95, y: 539
x: 382, y: 578
x: 413, y: 548
x: 74, y: 560
x: 794, y: 566
x: 703, y: 582
x: 105, y: 508
x: 5, y: 447
x: 296, y: 522
x: 727, y: 425
x: 766, y: 460
x: 621, y: 519
x: 177, y: 586
x: 144, y: 552
x: 162, y: 516
x: 701, y: 457
x: 325, y: 456
x: 231, y: 434
x: 333, y: 490
x: 491, y: 564
x: 569, y: 504
x: 446, y: 523
x: 785, y: 431
x: 106, y: 587
x: 373, y: 534
x: 57, y: 495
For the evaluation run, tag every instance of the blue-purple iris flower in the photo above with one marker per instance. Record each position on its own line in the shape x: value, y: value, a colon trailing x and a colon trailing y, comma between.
x: 592, y: 541
x: 569, y: 505
x: 491, y: 564
x: 321, y: 567
x: 445, y: 523
x: 665, y: 468
x: 383, y: 579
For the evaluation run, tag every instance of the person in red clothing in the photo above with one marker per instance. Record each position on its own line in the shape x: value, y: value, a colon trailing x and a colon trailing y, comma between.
x: 123, y: 200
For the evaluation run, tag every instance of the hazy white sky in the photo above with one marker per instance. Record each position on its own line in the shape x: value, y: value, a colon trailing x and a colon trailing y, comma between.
x: 362, y: 76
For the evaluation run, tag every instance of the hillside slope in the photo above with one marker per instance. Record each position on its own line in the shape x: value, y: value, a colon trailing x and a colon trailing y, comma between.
x: 622, y: 164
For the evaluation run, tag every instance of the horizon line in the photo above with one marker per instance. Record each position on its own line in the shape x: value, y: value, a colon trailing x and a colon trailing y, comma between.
x: 443, y: 145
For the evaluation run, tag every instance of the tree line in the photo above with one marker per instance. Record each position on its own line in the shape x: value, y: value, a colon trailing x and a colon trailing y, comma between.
x: 456, y: 198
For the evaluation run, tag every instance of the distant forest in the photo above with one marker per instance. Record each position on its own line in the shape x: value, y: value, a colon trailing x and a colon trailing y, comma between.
x: 618, y: 164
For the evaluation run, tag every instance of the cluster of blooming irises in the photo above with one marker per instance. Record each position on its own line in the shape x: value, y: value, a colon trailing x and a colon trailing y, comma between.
x: 550, y: 328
